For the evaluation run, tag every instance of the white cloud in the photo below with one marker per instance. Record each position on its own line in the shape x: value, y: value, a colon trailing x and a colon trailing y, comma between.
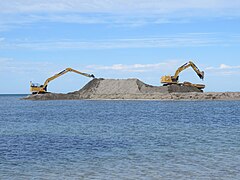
x: 115, y: 12
x: 4, y: 60
x: 115, y: 6
x: 8, y: 65
x: 136, y: 67
x: 223, y: 70
x: 223, y: 67
x: 180, y: 40
x: 11, y: 21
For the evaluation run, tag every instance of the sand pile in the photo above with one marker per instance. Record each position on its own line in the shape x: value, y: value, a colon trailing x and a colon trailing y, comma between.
x: 129, y: 86
x: 133, y: 89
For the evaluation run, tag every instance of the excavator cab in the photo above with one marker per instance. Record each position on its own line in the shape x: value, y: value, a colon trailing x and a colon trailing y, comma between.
x: 36, y: 88
x: 35, y: 84
x: 169, y: 80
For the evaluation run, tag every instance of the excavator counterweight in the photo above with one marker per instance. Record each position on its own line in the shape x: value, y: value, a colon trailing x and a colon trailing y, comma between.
x: 41, y: 89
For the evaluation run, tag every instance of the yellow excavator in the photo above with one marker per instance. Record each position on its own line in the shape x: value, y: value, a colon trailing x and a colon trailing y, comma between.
x: 168, y: 80
x: 41, y: 89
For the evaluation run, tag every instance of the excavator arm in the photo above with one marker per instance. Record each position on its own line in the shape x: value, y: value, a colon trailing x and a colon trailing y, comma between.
x: 36, y: 89
x: 187, y: 65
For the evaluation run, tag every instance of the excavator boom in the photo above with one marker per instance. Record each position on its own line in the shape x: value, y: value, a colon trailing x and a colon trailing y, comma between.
x: 40, y: 89
x: 187, y: 65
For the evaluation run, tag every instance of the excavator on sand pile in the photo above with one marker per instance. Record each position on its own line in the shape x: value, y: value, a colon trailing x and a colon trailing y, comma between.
x: 41, y: 89
x: 168, y: 80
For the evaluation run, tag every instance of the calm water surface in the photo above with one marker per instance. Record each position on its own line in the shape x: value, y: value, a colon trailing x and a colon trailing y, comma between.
x: 119, y: 139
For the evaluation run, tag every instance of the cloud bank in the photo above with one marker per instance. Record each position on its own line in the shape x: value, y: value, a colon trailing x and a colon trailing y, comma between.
x: 133, y: 67
x: 165, y: 66
x: 123, y: 12
x: 223, y: 67
x: 224, y: 70
x: 116, y: 6
x: 180, y: 40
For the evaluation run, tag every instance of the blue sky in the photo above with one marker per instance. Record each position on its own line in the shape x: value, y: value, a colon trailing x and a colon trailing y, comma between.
x: 142, y: 39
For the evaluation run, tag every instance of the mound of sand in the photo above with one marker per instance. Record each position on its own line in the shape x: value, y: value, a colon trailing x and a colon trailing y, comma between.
x: 133, y: 89
x: 129, y: 86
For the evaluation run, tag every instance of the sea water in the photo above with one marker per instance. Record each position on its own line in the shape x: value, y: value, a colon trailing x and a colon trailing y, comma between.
x: 119, y: 139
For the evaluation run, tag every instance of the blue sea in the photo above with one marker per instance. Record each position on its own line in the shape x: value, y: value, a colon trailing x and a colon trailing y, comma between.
x: 119, y: 139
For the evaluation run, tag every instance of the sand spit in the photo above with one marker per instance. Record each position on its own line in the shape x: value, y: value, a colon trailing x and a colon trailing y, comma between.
x: 134, y: 89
